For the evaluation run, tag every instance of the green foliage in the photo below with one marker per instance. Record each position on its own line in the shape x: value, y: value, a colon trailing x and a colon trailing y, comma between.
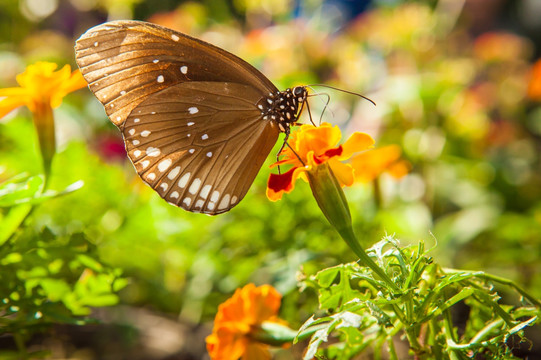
x: 48, y: 276
x: 362, y: 311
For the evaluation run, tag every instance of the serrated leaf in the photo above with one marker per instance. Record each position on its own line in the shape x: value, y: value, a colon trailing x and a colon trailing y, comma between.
x: 347, y: 319
x: 319, y: 337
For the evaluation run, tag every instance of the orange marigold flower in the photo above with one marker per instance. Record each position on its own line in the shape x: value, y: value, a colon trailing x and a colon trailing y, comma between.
x: 238, y: 322
x: 313, y: 147
x: 371, y: 164
x: 41, y: 85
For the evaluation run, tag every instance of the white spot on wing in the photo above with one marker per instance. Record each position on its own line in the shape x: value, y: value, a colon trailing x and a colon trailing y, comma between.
x: 145, y: 133
x: 96, y: 43
x: 215, y: 196
x: 152, y: 151
x: 174, y: 194
x: 193, y: 110
x: 136, y: 120
x: 160, y: 79
x: 234, y: 200
x: 191, y: 151
x: 135, y: 142
x: 137, y: 153
x: 184, y: 180
x: 155, y: 61
x: 204, y: 137
x: 173, y: 173
x: 145, y: 163
x: 224, y: 203
x: 175, y: 37
x: 164, y: 165
x: 210, y: 205
x: 195, y: 186
x: 151, y: 176
x: 199, y: 203
x: 184, y: 69
x: 209, y: 154
x: 131, y: 132
x: 205, y: 191
x: 190, y: 123
x: 187, y: 201
x: 122, y: 92
x: 164, y: 186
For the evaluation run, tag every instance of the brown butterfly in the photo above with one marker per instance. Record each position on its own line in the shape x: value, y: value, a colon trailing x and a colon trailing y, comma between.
x: 198, y: 122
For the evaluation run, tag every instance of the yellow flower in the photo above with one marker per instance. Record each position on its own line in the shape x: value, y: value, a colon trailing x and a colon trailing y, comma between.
x: 371, y: 164
x: 41, y: 90
x: 239, y: 321
x: 315, y: 146
x: 41, y: 85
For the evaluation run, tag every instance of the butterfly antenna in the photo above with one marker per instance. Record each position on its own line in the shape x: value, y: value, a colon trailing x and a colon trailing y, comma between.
x: 345, y: 91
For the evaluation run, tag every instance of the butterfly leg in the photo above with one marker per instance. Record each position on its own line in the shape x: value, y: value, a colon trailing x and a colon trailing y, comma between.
x: 309, y: 112
x: 289, y: 146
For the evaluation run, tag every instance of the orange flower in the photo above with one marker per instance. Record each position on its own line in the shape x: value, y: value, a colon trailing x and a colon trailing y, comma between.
x: 500, y: 46
x: 534, y: 87
x: 41, y: 85
x: 371, y: 164
x: 238, y: 323
x: 316, y: 146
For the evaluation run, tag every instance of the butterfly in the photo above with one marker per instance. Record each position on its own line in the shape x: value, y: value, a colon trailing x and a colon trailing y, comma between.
x: 197, y: 121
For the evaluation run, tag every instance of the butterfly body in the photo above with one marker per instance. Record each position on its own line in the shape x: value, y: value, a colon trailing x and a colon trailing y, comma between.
x: 197, y: 121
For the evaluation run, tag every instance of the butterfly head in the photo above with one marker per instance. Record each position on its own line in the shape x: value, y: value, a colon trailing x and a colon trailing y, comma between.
x: 283, y: 107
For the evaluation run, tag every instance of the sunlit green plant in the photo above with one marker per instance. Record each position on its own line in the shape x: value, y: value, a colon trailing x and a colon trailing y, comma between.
x: 48, y: 275
x: 392, y: 292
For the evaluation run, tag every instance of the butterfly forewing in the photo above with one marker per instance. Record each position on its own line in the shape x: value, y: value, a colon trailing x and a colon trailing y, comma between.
x: 125, y: 61
x: 198, y: 144
x: 190, y: 112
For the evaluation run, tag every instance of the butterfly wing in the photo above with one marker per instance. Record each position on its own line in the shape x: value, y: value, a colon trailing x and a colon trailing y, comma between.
x: 200, y: 145
x: 126, y: 61
x: 187, y: 110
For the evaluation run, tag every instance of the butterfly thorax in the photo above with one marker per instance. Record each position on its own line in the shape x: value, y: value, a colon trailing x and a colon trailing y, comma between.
x: 283, y: 107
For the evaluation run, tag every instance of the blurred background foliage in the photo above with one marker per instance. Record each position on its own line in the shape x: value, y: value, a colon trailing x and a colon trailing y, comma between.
x: 457, y: 85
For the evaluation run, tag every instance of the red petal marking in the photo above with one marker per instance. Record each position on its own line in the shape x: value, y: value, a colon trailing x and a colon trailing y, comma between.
x: 328, y: 154
x: 281, y: 182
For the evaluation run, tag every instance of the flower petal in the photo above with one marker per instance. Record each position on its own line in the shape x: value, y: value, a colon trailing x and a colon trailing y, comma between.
x: 75, y: 82
x: 318, y: 139
x: 279, y: 184
x: 10, y: 103
x: 369, y: 165
x: 226, y: 344
x: 357, y: 142
x: 343, y: 172
x: 256, y: 351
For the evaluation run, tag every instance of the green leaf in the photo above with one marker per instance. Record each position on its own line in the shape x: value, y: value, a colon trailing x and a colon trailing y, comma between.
x: 12, y: 221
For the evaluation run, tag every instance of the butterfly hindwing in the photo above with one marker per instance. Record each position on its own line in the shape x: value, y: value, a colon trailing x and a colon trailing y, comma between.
x: 198, y: 144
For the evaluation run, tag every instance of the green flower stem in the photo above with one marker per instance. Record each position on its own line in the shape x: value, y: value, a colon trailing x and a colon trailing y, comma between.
x: 276, y: 334
x: 333, y: 203
x: 44, y: 123
x: 500, y: 280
